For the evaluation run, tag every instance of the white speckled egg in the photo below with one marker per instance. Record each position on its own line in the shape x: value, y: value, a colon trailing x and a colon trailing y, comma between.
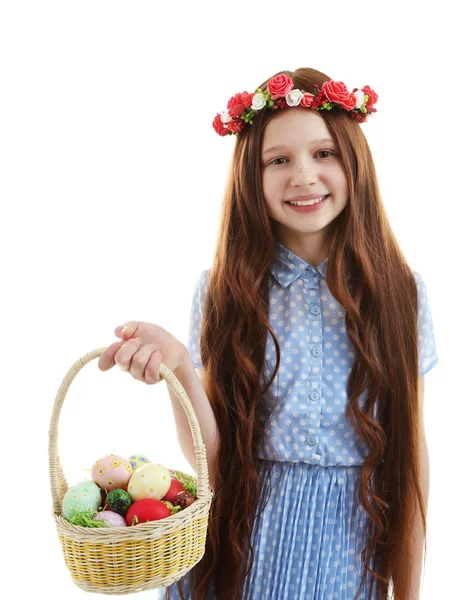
x: 84, y: 496
x: 149, y: 481
x: 138, y: 460
x: 112, y: 471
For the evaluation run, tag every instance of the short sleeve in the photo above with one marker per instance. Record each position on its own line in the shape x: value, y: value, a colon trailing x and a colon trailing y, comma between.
x: 427, y: 347
x: 195, y: 322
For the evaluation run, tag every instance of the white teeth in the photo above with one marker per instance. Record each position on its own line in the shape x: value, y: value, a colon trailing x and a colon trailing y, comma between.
x: 307, y: 202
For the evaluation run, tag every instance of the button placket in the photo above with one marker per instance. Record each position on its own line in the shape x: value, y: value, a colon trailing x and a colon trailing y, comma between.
x: 316, y: 355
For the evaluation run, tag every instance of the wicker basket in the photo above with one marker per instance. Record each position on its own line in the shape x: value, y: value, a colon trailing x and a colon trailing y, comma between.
x: 150, y: 555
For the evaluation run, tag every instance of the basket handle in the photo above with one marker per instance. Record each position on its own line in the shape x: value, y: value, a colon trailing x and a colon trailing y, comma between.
x: 57, y: 479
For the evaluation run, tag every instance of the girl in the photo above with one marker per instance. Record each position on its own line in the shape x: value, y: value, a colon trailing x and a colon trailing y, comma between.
x: 311, y: 335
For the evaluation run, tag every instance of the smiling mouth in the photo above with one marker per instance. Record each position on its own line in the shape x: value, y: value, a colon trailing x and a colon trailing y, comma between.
x: 308, y: 202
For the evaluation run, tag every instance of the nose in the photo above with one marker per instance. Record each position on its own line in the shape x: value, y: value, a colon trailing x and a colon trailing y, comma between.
x: 303, y: 174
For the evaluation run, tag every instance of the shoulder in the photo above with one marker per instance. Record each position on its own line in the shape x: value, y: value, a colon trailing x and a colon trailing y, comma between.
x: 421, y: 286
x: 201, y: 286
x: 418, y: 277
x: 422, y: 292
x: 202, y: 279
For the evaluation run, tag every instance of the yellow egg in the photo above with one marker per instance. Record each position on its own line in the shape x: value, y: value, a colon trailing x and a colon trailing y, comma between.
x: 149, y: 481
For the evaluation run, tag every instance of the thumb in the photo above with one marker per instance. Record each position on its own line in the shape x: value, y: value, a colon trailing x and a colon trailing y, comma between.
x: 127, y: 330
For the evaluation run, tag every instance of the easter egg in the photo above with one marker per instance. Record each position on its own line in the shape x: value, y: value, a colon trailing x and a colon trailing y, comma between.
x: 118, y: 501
x: 147, y: 509
x: 115, y: 519
x: 137, y: 460
x: 149, y: 481
x: 82, y: 497
x: 112, y: 471
x: 183, y: 499
x: 175, y: 487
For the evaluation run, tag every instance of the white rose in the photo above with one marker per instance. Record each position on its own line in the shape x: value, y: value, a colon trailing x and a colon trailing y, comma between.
x: 258, y: 102
x: 294, y: 97
x: 359, y: 95
x: 225, y: 117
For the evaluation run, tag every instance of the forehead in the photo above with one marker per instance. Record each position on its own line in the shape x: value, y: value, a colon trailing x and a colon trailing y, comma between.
x: 297, y: 125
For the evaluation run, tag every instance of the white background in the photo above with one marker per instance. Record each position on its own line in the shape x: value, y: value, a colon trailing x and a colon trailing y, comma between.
x: 112, y: 180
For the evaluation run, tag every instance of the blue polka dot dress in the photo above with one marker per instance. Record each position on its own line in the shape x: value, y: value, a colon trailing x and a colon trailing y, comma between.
x: 309, y: 537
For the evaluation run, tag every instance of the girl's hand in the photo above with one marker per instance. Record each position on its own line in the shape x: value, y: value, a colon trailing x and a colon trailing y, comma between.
x: 142, y: 349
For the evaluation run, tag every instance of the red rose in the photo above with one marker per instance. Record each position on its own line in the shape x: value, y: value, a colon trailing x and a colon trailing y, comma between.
x: 337, y: 92
x: 307, y: 99
x: 280, y: 85
x: 219, y: 126
x: 373, y: 97
x: 236, y: 126
x: 351, y: 102
x: 238, y: 103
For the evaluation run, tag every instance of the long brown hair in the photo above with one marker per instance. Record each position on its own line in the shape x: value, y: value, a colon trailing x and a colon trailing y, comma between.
x: 381, y: 319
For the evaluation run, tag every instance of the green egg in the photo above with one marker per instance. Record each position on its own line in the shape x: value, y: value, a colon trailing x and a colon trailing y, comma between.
x: 82, y: 497
x: 119, y: 501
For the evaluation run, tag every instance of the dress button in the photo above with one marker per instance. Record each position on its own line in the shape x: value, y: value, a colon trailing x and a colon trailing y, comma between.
x: 315, y: 395
x: 315, y: 309
x: 316, y: 351
x: 311, y: 440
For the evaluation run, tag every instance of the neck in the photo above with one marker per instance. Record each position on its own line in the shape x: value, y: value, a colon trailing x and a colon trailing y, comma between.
x: 311, y: 247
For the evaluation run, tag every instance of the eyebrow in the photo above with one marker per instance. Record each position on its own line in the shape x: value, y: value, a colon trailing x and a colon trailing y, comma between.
x: 281, y: 147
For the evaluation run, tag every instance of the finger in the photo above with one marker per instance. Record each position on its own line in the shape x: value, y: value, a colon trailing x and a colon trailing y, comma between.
x: 106, y: 359
x: 124, y: 355
x: 131, y: 329
x: 140, y: 361
x: 151, y: 372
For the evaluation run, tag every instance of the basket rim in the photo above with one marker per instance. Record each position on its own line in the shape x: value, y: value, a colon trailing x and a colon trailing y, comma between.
x: 58, y: 481
x: 194, y: 507
x: 166, y: 526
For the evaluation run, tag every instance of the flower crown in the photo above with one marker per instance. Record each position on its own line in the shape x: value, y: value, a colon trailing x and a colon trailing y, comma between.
x: 280, y: 93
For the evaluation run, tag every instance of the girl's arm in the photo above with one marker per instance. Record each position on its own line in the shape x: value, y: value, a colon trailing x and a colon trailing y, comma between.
x: 187, y: 376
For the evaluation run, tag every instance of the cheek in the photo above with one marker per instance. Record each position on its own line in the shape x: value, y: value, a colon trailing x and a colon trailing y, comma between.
x: 340, y: 181
x: 269, y: 185
x: 266, y: 189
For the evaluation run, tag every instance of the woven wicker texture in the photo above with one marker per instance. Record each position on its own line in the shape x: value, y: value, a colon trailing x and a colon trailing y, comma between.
x: 125, y: 560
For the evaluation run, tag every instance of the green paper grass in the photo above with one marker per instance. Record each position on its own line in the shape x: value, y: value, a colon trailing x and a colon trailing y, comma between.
x: 85, y: 520
x: 188, y: 482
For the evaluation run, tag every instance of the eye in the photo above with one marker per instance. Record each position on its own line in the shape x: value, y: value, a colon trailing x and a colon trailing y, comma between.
x: 326, y: 152
x: 273, y: 161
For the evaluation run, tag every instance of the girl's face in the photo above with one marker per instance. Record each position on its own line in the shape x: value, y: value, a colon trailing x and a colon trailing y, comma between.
x: 304, y: 163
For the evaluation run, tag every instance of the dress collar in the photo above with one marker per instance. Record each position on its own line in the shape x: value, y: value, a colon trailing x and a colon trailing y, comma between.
x: 287, y: 267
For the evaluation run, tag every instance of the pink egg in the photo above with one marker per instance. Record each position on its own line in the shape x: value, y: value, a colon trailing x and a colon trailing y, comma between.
x: 115, y: 519
x: 112, y: 471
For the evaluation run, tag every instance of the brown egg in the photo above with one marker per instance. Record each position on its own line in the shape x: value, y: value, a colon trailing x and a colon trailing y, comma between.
x: 183, y: 499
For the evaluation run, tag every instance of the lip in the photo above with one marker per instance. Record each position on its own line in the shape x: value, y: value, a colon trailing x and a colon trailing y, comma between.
x: 302, y: 198
x: 309, y: 208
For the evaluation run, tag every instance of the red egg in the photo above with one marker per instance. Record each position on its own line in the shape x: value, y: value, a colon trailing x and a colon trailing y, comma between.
x: 175, y: 487
x: 147, y: 509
